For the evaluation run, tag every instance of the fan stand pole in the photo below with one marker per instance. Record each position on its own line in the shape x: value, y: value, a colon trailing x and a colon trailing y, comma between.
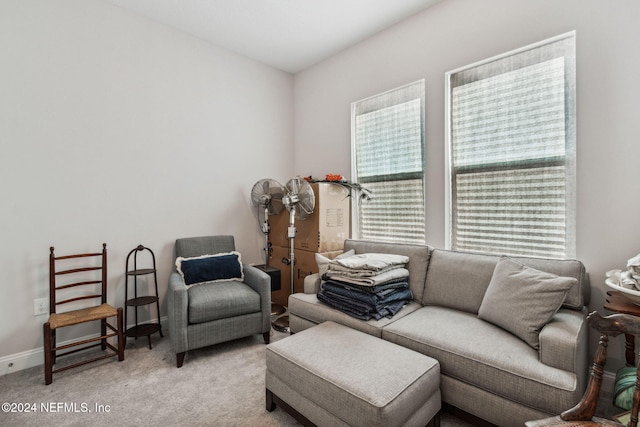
x: 292, y: 235
x: 276, y: 309
x: 282, y: 323
x: 265, y: 231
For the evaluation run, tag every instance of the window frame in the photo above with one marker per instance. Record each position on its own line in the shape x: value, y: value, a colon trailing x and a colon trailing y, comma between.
x: 568, y: 160
x: 356, y: 202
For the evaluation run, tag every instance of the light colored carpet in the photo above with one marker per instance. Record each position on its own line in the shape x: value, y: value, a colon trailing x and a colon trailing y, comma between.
x: 221, y: 385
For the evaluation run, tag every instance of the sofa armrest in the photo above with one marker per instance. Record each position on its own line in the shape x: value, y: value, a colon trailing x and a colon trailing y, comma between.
x: 178, y: 307
x: 564, y: 343
x: 260, y: 282
x: 312, y: 284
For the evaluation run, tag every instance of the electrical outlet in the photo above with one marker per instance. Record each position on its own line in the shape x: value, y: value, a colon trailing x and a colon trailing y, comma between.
x: 40, y: 306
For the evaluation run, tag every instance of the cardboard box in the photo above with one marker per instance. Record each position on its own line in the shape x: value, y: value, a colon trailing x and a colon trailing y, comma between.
x: 305, y: 264
x: 325, y: 229
x: 278, y: 225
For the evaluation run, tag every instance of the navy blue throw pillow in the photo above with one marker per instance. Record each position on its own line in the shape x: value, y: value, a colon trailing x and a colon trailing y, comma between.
x: 210, y: 268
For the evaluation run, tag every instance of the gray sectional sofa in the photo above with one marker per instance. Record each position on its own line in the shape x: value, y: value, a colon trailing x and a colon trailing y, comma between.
x: 469, y: 315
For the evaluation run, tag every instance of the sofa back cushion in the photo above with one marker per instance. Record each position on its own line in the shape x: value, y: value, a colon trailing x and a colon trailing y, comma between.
x: 459, y: 280
x: 580, y: 294
x: 418, y: 259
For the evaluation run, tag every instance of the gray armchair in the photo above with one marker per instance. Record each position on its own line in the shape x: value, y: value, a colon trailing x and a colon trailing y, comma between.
x: 210, y: 313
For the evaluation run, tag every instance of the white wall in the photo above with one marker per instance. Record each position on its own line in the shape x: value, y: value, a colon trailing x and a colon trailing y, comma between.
x: 159, y: 135
x: 119, y: 130
x: 455, y: 33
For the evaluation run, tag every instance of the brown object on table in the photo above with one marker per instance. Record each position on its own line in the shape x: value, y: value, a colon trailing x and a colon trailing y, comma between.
x: 66, y: 277
x: 618, y: 303
x: 583, y: 413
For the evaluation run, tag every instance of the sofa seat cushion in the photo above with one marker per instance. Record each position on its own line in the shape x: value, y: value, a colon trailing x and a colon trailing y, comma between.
x: 220, y: 300
x: 485, y: 356
x: 309, y: 308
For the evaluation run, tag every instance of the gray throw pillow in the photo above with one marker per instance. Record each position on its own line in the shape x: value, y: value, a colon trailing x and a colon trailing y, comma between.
x: 522, y: 300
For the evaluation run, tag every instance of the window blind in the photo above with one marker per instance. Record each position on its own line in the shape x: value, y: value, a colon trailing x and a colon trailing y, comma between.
x: 394, y: 213
x: 389, y: 141
x: 512, y: 154
x: 387, y: 148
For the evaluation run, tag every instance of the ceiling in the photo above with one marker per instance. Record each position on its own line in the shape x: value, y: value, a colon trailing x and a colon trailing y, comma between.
x: 290, y: 35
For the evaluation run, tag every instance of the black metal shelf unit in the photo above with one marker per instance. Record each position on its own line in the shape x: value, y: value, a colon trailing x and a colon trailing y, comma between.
x: 144, y: 329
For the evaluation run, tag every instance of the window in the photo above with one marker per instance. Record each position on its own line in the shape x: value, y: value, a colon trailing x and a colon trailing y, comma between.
x: 511, y: 160
x: 387, y: 146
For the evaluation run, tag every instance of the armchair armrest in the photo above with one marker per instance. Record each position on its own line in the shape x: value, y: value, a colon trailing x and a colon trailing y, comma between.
x: 312, y: 284
x: 564, y: 342
x: 260, y: 282
x: 178, y: 307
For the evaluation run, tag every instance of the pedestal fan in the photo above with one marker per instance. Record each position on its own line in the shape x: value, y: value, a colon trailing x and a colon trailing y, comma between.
x: 267, y: 195
x: 300, y: 202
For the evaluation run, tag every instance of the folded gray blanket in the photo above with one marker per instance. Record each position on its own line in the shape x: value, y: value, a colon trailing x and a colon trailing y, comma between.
x: 353, y: 272
x: 393, y: 275
x: 371, y: 261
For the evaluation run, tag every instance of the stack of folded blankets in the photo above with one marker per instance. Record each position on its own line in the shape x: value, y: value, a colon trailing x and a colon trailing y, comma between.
x: 367, y: 286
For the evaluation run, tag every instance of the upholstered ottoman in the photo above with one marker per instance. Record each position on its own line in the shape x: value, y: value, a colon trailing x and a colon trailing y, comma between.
x: 332, y: 375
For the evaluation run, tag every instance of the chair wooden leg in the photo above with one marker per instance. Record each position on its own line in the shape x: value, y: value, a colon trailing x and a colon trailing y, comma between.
x: 48, y: 359
x: 180, y: 359
x: 267, y: 337
x: 53, y: 345
x: 121, y: 338
x: 103, y: 332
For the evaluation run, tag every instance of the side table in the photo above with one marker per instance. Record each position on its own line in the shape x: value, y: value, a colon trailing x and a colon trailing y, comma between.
x: 147, y: 328
x: 618, y: 303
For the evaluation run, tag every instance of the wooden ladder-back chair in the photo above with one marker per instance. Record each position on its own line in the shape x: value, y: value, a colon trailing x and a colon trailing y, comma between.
x: 69, y: 284
x: 583, y: 413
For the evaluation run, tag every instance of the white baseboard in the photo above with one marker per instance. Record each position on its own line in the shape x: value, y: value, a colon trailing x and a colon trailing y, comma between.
x: 30, y: 358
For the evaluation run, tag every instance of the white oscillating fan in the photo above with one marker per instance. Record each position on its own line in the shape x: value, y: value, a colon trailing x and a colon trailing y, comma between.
x: 267, y: 195
x: 300, y: 202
